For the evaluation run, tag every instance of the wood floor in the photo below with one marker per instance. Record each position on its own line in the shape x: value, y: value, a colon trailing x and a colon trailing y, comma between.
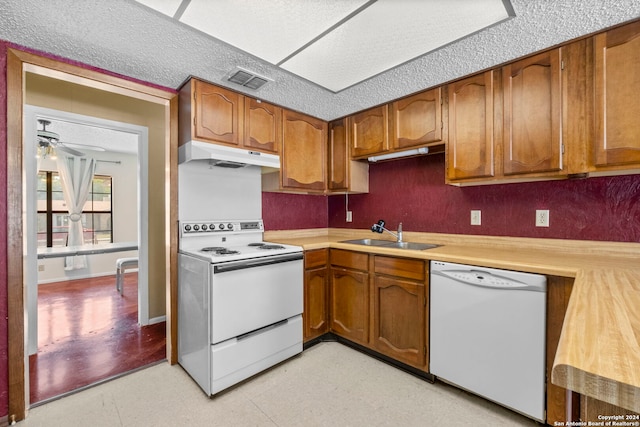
x: 87, y: 333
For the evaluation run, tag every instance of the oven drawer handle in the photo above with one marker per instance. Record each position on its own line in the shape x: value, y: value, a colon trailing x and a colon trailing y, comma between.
x: 259, y: 262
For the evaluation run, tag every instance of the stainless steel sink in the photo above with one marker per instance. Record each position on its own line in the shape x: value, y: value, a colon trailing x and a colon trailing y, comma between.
x: 390, y: 244
x: 411, y: 245
x: 369, y: 242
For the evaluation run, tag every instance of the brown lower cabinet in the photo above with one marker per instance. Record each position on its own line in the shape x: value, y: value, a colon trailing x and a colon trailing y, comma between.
x: 381, y: 302
x: 349, y: 287
x: 399, y: 309
x: 316, y: 294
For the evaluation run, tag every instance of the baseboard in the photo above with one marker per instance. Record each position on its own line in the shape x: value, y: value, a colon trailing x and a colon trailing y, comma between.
x: 84, y: 276
x: 4, y: 421
x: 158, y: 319
x: 331, y: 337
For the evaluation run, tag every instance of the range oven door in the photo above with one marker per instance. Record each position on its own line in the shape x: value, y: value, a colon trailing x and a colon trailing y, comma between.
x: 251, y: 294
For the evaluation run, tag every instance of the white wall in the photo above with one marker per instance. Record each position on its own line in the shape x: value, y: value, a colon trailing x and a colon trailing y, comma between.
x: 125, y: 219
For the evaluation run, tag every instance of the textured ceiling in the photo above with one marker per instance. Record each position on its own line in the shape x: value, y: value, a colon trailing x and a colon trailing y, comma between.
x: 336, y: 44
x: 130, y: 39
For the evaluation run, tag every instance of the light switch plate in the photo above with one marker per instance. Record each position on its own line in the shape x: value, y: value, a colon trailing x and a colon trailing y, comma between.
x: 476, y: 217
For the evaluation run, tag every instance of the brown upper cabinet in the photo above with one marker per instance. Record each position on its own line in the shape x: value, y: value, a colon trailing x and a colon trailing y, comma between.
x: 470, y: 149
x: 370, y: 132
x: 411, y: 122
x: 532, y: 135
x: 262, y: 126
x: 210, y: 113
x: 507, y: 124
x: 416, y: 121
x: 617, y: 103
x: 303, y: 158
x: 344, y: 175
x: 570, y: 111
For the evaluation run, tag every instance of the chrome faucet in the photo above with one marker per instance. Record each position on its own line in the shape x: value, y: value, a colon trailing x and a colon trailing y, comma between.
x: 379, y: 228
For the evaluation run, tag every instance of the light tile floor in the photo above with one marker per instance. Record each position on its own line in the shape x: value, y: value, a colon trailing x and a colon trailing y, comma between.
x: 328, y: 385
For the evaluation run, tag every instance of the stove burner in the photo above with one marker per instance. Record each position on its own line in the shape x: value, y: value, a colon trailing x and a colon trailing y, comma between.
x: 226, y: 252
x: 212, y: 249
x: 219, y: 250
x: 271, y: 247
x: 256, y: 244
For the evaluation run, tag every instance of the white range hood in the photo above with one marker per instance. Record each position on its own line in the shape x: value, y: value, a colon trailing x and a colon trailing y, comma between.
x: 219, y: 155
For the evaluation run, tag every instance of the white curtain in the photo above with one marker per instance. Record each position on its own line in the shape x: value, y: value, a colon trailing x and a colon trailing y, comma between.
x: 76, y: 175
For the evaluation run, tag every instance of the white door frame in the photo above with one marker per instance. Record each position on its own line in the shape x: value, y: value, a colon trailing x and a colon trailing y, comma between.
x: 30, y: 116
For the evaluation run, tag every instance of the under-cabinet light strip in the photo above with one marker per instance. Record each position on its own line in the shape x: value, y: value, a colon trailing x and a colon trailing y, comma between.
x: 399, y: 154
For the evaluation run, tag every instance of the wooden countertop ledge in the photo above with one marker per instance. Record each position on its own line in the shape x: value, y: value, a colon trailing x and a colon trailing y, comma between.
x: 599, y: 350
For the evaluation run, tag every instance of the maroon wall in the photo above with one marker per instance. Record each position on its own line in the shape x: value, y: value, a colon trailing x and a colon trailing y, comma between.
x: 293, y: 211
x: 412, y: 191
x: 4, y: 367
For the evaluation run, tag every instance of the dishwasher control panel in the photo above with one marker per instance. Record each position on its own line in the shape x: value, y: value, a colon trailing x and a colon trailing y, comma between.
x: 483, y: 278
x: 486, y: 277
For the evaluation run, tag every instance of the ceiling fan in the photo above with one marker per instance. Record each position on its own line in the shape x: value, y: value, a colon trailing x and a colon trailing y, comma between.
x: 48, y: 140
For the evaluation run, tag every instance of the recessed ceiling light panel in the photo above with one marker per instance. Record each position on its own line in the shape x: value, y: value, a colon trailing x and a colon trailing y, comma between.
x: 270, y: 30
x: 167, y: 7
x: 389, y: 33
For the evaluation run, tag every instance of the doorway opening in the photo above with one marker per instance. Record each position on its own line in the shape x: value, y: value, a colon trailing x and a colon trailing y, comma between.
x: 77, y: 307
x: 93, y: 92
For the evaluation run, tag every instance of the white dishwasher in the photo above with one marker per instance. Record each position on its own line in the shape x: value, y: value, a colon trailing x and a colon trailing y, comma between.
x: 487, y: 333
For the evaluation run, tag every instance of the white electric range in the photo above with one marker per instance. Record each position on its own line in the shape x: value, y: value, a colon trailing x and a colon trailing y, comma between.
x: 240, y: 301
x: 239, y: 298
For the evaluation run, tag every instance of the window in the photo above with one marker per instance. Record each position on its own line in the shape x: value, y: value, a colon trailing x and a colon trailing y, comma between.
x: 53, y: 215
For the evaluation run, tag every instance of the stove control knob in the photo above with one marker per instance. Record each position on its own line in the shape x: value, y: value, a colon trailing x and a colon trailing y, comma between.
x: 230, y: 226
x: 221, y: 226
x: 212, y: 227
x: 196, y: 227
x: 187, y: 228
x: 204, y: 227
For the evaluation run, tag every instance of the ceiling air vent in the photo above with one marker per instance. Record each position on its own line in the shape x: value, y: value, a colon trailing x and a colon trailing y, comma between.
x: 248, y: 79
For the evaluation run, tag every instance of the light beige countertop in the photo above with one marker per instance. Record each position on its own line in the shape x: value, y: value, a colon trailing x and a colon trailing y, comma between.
x: 599, y: 350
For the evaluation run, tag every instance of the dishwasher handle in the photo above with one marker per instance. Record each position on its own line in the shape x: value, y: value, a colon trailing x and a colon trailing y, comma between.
x: 485, y: 279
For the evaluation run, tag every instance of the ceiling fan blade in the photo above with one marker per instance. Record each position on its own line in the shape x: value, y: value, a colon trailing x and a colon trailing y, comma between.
x: 68, y: 150
x: 82, y: 146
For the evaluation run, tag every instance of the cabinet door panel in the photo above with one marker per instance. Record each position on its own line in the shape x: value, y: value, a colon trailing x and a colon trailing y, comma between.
x: 338, y: 156
x: 316, y: 302
x: 370, y: 132
x: 470, y: 147
x: 617, y: 81
x: 350, y: 304
x: 263, y: 126
x: 533, y: 115
x: 218, y: 114
x: 417, y: 120
x: 303, y: 151
x: 399, y: 319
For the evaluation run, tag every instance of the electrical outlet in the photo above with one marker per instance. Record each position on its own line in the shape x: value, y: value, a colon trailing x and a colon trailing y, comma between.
x: 542, y: 218
x: 40, y: 267
x: 349, y: 216
x: 476, y: 217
